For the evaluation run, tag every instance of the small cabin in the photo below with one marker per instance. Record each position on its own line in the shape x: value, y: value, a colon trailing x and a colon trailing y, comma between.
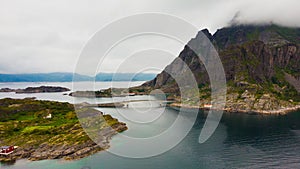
x: 5, y: 150
x: 49, y: 116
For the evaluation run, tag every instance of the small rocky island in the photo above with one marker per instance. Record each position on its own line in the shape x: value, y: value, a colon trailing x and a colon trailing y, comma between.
x: 51, y: 130
x: 111, y: 92
x: 41, y: 89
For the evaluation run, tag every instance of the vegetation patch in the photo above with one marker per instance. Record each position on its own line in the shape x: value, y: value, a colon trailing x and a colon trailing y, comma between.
x: 34, y: 124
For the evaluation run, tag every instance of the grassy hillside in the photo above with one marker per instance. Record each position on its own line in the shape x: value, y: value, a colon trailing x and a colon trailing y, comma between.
x: 23, y: 123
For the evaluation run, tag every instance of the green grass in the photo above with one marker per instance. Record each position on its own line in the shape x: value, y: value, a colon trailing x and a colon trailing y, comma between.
x: 289, y: 33
x: 25, y: 125
x: 36, y: 129
x: 253, y: 35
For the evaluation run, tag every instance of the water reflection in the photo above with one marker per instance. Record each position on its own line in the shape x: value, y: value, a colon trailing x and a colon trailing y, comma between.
x: 262, y: 141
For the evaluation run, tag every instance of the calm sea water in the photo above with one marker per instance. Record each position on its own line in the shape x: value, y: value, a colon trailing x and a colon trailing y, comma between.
x: 240, y: 141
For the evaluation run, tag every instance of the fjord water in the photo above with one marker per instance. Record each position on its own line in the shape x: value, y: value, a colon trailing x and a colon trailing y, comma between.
x: 240, y: 141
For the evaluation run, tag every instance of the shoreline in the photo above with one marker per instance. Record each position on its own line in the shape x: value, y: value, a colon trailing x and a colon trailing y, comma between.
x: 66, y: 152
x: 61, y: 135
x: 47, y: 151
x: 32, y: 90
x: 283, y: 111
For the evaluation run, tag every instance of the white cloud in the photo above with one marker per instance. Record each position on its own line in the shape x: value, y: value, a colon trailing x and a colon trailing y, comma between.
x: 47, y: 36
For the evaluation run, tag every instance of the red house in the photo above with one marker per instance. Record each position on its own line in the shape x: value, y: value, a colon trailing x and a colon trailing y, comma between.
x: 6, y: 150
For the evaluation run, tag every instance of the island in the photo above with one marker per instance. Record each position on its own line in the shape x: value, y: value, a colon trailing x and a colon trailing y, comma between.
x: 111, y: 92
x: 51, y: 130
x: 41, y: 89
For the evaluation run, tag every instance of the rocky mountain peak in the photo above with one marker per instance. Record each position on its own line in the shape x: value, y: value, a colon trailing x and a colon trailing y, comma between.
x: 261, y: 56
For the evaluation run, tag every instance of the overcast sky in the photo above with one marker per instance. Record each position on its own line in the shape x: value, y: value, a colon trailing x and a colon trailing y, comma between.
x: 47, y: 36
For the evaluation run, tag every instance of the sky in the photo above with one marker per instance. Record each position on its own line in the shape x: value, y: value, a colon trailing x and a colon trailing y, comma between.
x: 48, y: 36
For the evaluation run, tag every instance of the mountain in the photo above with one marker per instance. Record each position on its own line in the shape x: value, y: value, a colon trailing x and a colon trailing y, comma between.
x: 68, y: 77
x: 125, y: 77
x: 261, y: 63
x: 42, y: 77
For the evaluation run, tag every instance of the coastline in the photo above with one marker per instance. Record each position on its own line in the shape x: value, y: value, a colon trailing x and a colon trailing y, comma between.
x: 76, y: 151
x: 66, y: 152
x: 228, y: 108
x: 59, y: 137
x: 246, y: 102
x: 282, y: 111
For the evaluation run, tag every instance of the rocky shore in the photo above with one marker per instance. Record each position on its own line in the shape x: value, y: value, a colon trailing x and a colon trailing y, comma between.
x: 227, y: 109
x: 236, y: 102
x: 65, y: 151
x: 265, y: 103
x: 23, y: 124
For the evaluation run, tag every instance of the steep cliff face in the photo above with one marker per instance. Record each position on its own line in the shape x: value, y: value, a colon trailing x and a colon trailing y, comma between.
x: 259, y: 59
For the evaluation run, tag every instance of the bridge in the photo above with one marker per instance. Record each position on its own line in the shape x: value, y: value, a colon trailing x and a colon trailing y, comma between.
x: 124, y: 104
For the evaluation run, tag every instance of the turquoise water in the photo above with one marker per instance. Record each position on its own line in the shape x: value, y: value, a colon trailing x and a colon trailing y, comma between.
x: 240, y: 141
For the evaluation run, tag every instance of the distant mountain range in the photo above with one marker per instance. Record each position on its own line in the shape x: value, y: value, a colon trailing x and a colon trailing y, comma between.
x: 68, y: 77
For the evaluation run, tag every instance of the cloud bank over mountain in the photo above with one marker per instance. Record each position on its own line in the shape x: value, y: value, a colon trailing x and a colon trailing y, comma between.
x: 47, y: 36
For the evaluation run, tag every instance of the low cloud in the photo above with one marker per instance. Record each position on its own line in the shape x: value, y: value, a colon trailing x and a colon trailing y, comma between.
x: 47, y: 36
